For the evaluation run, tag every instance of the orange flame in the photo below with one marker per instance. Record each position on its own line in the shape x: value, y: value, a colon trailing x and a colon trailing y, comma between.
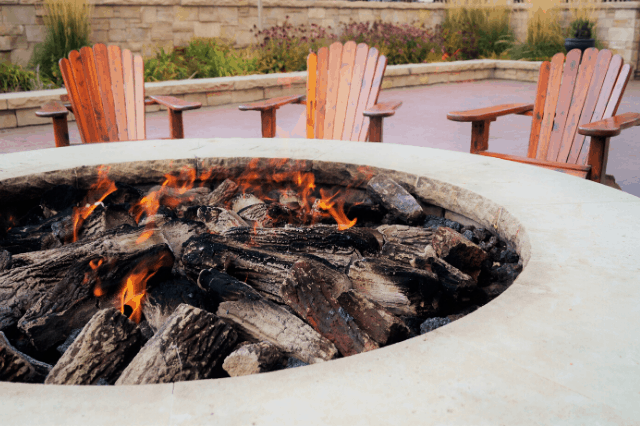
x: 94, y: 264
x: 336, y: 212
x: 97, y: 193
x: 135, y: 284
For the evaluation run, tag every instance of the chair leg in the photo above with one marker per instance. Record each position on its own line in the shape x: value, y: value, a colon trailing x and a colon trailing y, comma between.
x: 61, y: 131
x: 597, y: 158
x: 375, y: 129
x: 480, y: 136
x: 268, y: 118
x: 175, y: 122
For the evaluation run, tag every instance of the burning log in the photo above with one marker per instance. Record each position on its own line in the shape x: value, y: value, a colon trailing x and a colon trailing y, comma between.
x: 34, y: 274
x: 263, y: 271
x: 312, y: 289
x: 243, y: 201
x: 60, y: 198
x: 164, y: 298
x: 413, y: 236
x: 189, y: 346
x: 91, y: 284
x: 400, y: 289
x: 376, y: 321
x: 18, y: 367
x: 97, y: 223
x: 224, y: 287
x: 124, y: 194
x: 458, y: 251
x: 100, y: 353
x: 177, y: 232
x: 252, y: 359
x: 30, y: 238
x: 223, y: 193
x: 257, y: 213
x: 218, y: 219
x: 395, y: 198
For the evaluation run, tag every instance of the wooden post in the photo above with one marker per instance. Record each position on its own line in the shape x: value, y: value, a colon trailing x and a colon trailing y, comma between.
x: 268, y: 123
x: 175, y: 122
x: 375, y: 129
x: 597, y: 158
x: 480, y: 136
x: 61, y: 131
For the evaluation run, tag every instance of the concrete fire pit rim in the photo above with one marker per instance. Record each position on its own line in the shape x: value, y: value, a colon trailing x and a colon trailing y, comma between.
x: 549, y: 346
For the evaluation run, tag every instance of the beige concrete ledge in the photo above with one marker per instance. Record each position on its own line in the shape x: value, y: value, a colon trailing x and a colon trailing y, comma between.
x: 559, y: 347
x: 18, y: 109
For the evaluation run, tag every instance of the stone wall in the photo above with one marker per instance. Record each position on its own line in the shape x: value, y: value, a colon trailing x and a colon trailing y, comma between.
x: 144, y: 25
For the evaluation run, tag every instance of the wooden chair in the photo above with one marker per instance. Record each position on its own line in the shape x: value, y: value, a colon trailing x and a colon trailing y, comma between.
x: 106, y: 89
x: 343, y: 84
x: 574, y: 99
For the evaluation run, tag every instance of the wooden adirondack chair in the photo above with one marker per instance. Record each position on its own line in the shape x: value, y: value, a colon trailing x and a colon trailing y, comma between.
x: 574, y: 99
x: 106, y: 89
x: 343, y: 84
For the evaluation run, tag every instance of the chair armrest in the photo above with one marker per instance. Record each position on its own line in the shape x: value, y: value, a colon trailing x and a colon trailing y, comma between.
x: 489, y: 113
x: 386, y: 109
x: 302, y: 100
x: 52, y: 109
x: 610, y: 126
x: 174, y: 103
x: 271, y: 103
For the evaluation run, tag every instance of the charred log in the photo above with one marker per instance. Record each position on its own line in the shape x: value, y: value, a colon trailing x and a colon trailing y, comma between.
x: 416, y: 237
x: 223, y: 193
x: 395, y: 198
x: 459, y: 251
x: 189, y: 346
x: 401, y: 289
x: 102, y: 350
x: 5, y: 260
x: 253, y: 358
x: 18, y: 367
x: 60, y: 198
x: 376, y: 321
x: 312, y: 290
x: 218, y: 220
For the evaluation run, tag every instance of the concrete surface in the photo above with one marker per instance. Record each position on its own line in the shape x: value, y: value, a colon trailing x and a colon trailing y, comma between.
x: 560, y: 347
x: 421, y: 121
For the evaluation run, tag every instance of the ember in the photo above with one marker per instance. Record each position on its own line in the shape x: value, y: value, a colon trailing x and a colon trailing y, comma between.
x: 246, y: 271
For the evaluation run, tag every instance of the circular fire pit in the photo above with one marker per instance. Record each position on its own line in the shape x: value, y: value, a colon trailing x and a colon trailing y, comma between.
x: 558, y: 347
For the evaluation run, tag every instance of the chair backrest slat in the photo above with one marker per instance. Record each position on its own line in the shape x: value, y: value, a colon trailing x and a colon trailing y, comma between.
x: 583, y: 83
x: 138, y: 84
x: 129, y: 93
x: 381, y: 66
x: 553, y: 89
x: 83, y: 105
x: 335, y: 61
x: 344, y: 87
x: 365, y: 89
x: 74, y: 97
x: 599, y: 73
x: 321, y: 91
x: 95, y: 98
x: 312, y: 81
x: 359, y: 66
x: 101, y: 57
x: 603, y: 99
x: 117, y: 87
x: 569, y: 77
x: 618, y: 91
x: 538, y: 108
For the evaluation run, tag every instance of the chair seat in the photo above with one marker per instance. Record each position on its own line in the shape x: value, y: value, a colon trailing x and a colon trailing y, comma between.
x: 571, y: 169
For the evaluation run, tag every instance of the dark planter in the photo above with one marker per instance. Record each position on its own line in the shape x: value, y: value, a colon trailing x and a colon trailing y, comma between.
x: 578, y: 43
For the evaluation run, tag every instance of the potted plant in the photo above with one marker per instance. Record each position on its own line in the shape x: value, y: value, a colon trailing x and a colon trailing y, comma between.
x: 582, y: 31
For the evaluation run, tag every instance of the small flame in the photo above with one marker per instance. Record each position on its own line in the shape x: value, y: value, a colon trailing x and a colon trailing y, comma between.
x: 144, y: 236
x: 135, y: 285
x: 336, y: 210
x: 97, y: 193
x: 94, y: 264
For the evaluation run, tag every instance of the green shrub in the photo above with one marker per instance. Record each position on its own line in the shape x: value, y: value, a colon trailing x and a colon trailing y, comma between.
x: 545, y: 37
x: 476, y: 32
x: 67, y: 28
x: 401, y: 44
x: 202, y: 58
x: 285, y: 48
x: 14, y: 78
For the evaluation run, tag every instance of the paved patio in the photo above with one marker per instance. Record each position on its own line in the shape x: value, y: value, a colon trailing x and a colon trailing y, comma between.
x: 421, y: 121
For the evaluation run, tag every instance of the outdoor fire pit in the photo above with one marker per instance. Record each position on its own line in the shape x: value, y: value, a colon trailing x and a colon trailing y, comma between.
x: 537, y: 348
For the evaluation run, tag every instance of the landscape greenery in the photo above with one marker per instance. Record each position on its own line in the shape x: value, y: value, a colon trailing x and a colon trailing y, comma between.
x: 466, y: 33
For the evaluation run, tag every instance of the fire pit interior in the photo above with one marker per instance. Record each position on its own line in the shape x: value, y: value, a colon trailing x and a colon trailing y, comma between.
x: 161, y: 272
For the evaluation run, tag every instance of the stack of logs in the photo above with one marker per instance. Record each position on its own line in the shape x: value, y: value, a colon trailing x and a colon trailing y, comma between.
x: 239, y: 285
